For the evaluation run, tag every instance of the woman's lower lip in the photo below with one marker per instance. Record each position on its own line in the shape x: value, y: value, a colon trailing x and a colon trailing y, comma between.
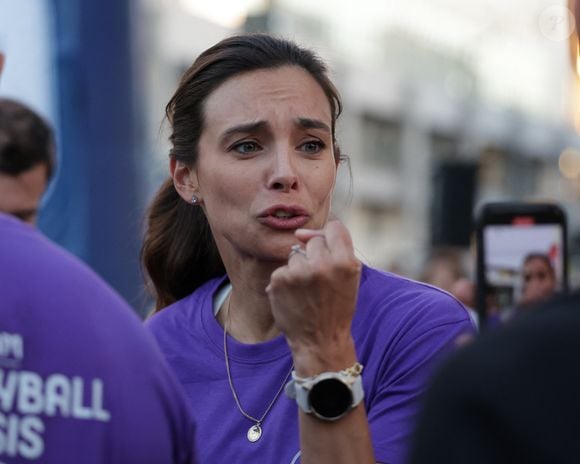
x: 294, y: 222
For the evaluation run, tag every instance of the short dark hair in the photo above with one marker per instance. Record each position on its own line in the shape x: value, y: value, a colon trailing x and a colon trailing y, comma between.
x: 179, y: 253
x: 26, y: 140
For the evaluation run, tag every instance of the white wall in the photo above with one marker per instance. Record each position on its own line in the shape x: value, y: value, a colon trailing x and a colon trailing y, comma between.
x: 25, y: 40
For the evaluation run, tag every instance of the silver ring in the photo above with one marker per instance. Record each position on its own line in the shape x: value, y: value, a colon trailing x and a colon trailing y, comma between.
x: 296, y: 249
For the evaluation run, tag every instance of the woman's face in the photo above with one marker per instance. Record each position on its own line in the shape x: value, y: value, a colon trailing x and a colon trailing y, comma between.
x: 266, y: 163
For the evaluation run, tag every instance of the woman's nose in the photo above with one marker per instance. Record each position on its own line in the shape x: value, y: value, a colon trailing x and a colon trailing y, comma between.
x: 283, y: 174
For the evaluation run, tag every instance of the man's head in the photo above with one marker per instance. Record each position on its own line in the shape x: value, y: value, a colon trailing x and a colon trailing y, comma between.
x: 26, y: 159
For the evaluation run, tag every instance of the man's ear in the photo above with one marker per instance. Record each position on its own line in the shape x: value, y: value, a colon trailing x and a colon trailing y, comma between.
x: 184, y: 180
x: 1, y: 63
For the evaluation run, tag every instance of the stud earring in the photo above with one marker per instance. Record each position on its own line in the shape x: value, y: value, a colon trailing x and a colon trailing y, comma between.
x: 194, y: 200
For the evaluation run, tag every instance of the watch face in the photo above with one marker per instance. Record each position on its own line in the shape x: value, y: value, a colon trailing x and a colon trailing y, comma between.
x: 330, y: 398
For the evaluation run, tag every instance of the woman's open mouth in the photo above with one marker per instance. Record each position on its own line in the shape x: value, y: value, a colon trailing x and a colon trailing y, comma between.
x: 284, y: 217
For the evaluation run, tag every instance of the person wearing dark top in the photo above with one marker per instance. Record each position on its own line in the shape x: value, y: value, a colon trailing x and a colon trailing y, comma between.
x: 510, y: 397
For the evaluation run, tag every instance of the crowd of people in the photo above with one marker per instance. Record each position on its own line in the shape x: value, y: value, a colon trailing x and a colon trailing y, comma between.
x: 270, y: 341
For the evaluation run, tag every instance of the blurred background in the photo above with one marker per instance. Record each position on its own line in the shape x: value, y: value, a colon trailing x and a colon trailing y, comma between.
x: 448, y: 104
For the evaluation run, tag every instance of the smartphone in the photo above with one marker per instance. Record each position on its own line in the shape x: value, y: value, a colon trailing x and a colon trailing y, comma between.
x: 522, y: 258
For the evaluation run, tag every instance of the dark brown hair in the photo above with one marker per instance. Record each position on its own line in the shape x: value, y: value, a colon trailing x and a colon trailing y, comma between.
x: 179, y: 252
x: 26, y: 140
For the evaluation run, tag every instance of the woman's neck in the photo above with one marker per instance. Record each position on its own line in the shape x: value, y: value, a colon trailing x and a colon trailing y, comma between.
x: 246, y: 312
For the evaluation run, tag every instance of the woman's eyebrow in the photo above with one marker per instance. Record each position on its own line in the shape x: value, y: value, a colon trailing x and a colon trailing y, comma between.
x: 304, y: 123
x: 308, y: 123
x: 244, y: 128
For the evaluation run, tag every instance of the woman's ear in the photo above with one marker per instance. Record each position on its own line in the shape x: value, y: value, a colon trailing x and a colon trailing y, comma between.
x: 185, y: 181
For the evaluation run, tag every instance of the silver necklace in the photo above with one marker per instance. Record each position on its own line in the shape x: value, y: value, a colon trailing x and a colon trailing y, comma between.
x: 255, y: 431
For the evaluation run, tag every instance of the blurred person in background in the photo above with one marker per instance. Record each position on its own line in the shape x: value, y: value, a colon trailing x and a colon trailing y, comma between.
x: 512, y: 395
x: 444, y: 270
x: 539, y: 279
x: 464, y: 290
x: 80, y: 379
x: 538, y: 284
x: 26, y: 160
x: 258, y: 292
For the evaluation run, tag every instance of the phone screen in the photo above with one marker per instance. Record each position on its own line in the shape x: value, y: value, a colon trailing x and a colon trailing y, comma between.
x: 521, y: 260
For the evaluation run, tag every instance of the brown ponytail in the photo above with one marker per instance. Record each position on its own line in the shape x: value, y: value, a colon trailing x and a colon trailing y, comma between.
x: 177, y: 236
x: 179, y: 253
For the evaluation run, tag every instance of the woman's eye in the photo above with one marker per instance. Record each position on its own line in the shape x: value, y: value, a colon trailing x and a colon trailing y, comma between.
x: 246, y: 147
x: 312, y: 146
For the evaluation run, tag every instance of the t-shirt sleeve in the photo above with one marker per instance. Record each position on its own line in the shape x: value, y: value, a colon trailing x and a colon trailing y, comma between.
x: 405, y: 373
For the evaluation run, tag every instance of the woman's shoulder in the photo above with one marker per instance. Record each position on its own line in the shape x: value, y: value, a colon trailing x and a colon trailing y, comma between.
x: 391, y: 297
x: 186, y: 307
x: 399, y: 316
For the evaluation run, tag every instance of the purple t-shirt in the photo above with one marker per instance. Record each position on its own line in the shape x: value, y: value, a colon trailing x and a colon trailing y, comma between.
x: 81, y: 381
x: 400, y: 329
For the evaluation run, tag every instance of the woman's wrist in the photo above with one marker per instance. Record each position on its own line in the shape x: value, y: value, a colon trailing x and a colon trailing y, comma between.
x: 333, y: 355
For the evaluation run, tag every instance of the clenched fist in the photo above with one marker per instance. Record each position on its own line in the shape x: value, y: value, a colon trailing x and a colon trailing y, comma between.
x: 313, y: 299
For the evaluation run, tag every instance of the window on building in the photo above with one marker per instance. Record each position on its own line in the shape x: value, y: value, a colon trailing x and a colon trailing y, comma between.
x: 522, y: 177
x: 444, y: 147
x: 381, y: 141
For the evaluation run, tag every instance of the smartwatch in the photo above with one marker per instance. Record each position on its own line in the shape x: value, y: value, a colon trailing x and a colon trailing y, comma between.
x: 329, y: 395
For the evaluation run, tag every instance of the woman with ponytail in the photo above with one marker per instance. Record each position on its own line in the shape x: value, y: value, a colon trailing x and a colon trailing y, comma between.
x: 288, y: 347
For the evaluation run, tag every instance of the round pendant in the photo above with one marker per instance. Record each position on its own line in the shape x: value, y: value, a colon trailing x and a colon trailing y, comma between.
x: 254, y: 433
